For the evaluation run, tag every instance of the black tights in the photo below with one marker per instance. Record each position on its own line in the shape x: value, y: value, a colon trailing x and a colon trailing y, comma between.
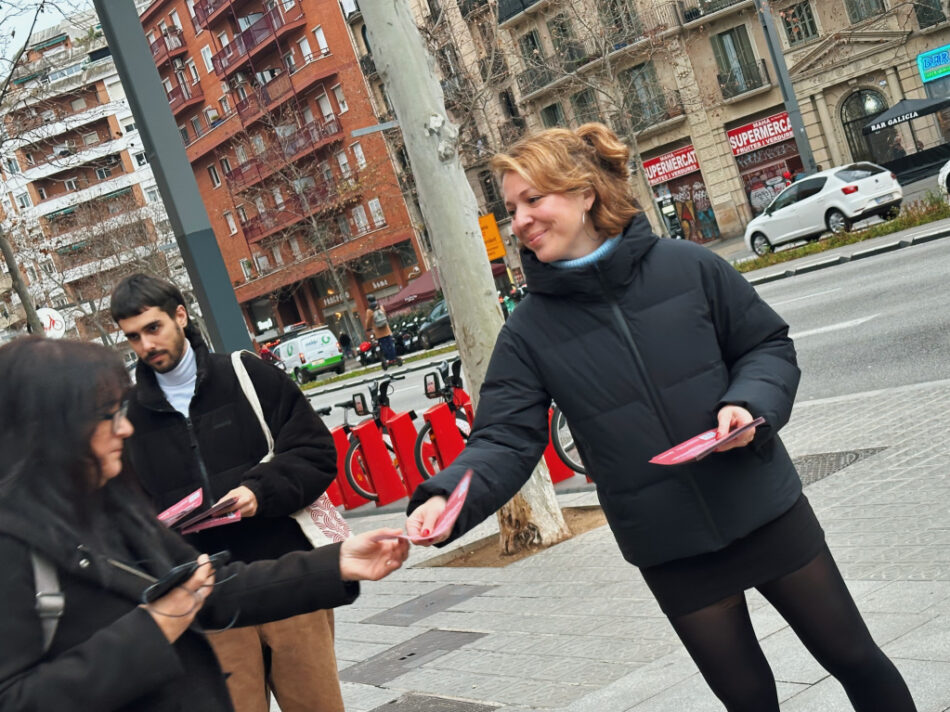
x: 817, y: 605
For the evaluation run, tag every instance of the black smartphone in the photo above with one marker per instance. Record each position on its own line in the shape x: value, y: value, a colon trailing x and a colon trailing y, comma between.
x: 177, y: 575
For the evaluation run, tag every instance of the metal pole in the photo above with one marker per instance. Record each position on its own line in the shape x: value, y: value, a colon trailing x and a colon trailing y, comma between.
x: 173, y: 174
x: 785, y: 85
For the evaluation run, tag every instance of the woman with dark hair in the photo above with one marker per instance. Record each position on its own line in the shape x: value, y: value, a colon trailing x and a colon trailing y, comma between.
x: 644, y: 343
x: 64, y: 503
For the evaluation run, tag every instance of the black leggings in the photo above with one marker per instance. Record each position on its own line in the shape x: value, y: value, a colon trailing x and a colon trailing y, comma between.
x: 817, y: 605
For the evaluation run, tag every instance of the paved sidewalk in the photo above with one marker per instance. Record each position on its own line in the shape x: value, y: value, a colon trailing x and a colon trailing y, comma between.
x: 574, y: 628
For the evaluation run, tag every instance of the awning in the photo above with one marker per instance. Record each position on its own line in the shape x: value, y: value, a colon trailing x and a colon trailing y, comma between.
x: 421, y: 289
x: 115, y: 193
x: 905, y: 110
x: 60, y: 213
x: 50, y: 42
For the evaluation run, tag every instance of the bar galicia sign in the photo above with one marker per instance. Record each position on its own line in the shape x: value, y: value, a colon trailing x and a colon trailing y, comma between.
x: 894, y: 120
x: 934, y: 64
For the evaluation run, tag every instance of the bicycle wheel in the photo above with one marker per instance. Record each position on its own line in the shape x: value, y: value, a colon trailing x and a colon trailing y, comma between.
x: 563, y: 442
x: 427, y: 461
x: 355, y: 469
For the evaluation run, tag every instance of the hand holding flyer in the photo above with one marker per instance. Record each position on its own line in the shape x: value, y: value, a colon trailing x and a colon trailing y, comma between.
x: 445, y: 522
x: 696, y: 448
x: 177, y: 517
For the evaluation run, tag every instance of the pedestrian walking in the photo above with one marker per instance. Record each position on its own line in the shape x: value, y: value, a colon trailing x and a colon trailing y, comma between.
x: 346, y: 344
x: 683, y: 344
x: 376, y: 323
x: 81, y: 548
x: 195, y: 428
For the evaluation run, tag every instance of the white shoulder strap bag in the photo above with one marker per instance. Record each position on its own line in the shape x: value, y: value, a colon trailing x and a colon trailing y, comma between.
x: 321, y: 522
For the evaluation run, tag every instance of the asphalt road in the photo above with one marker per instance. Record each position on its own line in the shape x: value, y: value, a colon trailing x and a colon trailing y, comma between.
x: 876, y: 323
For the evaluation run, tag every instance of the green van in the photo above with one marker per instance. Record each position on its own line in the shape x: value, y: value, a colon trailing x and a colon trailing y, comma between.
x: 310, y: 353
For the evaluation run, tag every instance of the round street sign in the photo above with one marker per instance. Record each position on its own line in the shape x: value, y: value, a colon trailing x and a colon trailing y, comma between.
x: 53, y: 323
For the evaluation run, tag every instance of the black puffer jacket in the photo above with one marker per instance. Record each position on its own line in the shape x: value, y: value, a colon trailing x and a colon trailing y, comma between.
x: 221, y: 445
x: 640, y: 350
x: 108, y: 654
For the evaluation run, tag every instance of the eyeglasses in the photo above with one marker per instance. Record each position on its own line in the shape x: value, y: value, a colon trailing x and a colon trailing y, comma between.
x: 117, y: 417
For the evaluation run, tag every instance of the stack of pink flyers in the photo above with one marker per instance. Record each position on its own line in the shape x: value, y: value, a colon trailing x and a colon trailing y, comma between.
x: 696, y: 448
x: 446, y: 520
x: 177, y: 517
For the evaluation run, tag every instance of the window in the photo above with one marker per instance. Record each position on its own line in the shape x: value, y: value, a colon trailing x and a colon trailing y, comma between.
x: 242, y: 214
x: 196, y: 125
x: 193, y: 71
x: 294, y: 247
x: 129, y: 128
x: 211, y: 115
x: 31, y: 273
x: 48, y: 267
x: 103, y: 173
x: 340, y: 99
x: 225, y: 106
x: 258, y: 143
x: 12, y: 166
x: 321, y: 40
x: 240, y: 154
x: 90, y: 138
x: 929, y: 13
x: 278, y: 197
x: 325, y: 108
x: 584, y: 105
x: 359, y: 217
x: 206, y: 56
x: 183, y: 130
x: 60, y: 300
x: 152, y: 195
x: 553, y: 115
x: 141, y: 159
x: 288, y: 4
x: 42, y: 193
x: 29, y: 159
x: 70, y: 184
x: 263, y: 264
x: 78, y: 104
x: 376, y: 210
x: 344, y: 164
x: 326, y: 171
x: 215, y: 178
x: 303, y: 44
x: 289, y: 62
x: 739, y: 71
x: 278, y: 257
x: 225, y: 165
x: 229, y: 219
x: 343, y: 225
x: 223, y: 39
x: 863, y: 9
x: 176, y: 21
x: 246, y: 268
x: 357, y: 150
x: 799, y: 23
x: 190, y: 4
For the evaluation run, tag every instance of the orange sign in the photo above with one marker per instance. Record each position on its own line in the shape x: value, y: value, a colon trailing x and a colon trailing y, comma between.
x: 493, y: 242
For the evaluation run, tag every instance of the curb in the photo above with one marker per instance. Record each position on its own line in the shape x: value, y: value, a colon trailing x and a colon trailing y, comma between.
x: 842, y: 259
x: 377, y: 375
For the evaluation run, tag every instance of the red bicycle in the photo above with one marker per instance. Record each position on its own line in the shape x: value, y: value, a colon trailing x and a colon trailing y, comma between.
x: 447, y: 424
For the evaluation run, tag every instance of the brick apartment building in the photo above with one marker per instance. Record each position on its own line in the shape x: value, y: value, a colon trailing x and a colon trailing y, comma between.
x: 78, y: 199
x: 309, y: 219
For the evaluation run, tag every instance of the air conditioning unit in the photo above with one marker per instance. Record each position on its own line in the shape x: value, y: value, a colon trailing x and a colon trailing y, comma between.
x: 239, y: 78
x: 177, y: 63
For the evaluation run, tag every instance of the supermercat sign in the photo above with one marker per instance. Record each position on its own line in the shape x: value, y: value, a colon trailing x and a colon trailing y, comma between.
x: 894, y: 120
x: 934, y: 64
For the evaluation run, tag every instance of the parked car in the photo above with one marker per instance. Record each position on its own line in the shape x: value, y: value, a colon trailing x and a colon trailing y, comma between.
x: 437, y: 327
x: 829, y: 201
x: 943, y: 180
x: 310, y: 353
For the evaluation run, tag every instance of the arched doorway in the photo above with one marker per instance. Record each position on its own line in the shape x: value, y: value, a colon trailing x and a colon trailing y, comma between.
x: 857, y: 110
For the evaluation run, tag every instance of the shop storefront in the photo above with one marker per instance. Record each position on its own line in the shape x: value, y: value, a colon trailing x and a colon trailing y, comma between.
x: 767, y: 157
x: 934, y: 67
x: 680, y: 193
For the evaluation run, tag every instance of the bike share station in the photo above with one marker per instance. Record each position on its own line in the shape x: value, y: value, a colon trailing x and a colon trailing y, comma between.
x: 384, y: 457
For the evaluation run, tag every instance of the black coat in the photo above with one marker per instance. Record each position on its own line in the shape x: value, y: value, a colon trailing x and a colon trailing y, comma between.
x: 640, y: 350
x: 108, y: 654
x: 220, y: 446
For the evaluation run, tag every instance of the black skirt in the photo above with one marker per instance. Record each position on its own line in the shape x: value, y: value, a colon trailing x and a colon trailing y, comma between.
x: 773, y: 550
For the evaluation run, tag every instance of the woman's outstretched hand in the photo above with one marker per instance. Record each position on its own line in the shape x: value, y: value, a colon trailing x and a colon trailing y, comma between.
x: 364, y: 559
x: 422, y: 521
x: 730, y: 418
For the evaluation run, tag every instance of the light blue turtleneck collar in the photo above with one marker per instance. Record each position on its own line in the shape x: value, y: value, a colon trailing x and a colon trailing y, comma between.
x: 605, y: 249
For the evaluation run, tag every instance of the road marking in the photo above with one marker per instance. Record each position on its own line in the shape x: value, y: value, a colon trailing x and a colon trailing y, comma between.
x: 833, y: 327
x: 806, y: 296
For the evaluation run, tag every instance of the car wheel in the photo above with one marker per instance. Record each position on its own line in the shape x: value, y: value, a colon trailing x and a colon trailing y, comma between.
x: 760, y: 244
x: 341, y: 368
x: 302, y: 376
x: 893, y: 212
x: 425, y: 342
x: 837, y: 222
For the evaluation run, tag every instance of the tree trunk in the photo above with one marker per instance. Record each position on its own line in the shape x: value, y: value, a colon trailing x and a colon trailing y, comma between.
x: 448, y: 204
x: 32, y: 320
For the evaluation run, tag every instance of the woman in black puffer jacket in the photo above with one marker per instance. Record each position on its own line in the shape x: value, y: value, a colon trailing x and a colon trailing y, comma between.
x: 63, y: 499
x: 644, y: 343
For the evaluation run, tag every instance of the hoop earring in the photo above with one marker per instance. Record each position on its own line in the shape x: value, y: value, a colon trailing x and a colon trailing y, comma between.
x: 584, y: 218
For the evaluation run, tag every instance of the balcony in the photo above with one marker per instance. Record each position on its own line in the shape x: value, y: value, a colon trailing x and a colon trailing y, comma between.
x: 537, y: 77
x: 183, y: 96
x: 168, y: 45
x: 698, y: 10
x: 310, y: 137
x: 270, y: 26
x: 354, y: 14
x: 368, y: 66
x: 649, y: 112
x: 456, y: 91
x: 493, y: 68
x: 11, y: 317
x: 470, y: 7
x: 260, y: 98
x: 512, y: 129
x: 207, y: 11
x: 320, y: 198
x: 574, y: 54
x: 743, y: 78
x: 30, y: 119
x: 508, y: 9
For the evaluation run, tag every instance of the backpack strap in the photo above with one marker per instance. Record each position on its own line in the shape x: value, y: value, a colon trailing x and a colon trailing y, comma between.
x: 50, y: 602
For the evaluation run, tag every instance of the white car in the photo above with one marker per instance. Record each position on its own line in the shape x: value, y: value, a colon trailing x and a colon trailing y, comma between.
x: 942, y: 180
x: 829, y: 201
x: 311, y: 352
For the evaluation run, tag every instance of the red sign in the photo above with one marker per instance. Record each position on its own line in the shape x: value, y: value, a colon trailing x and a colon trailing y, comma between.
x: 760, y: 134
x: 671, y: 165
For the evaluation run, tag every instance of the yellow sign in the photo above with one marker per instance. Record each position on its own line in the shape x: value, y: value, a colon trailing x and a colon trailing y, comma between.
x: 493, y: 243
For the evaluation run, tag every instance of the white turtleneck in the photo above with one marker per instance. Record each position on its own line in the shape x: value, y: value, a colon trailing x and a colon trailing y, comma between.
x: 178, y: 385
